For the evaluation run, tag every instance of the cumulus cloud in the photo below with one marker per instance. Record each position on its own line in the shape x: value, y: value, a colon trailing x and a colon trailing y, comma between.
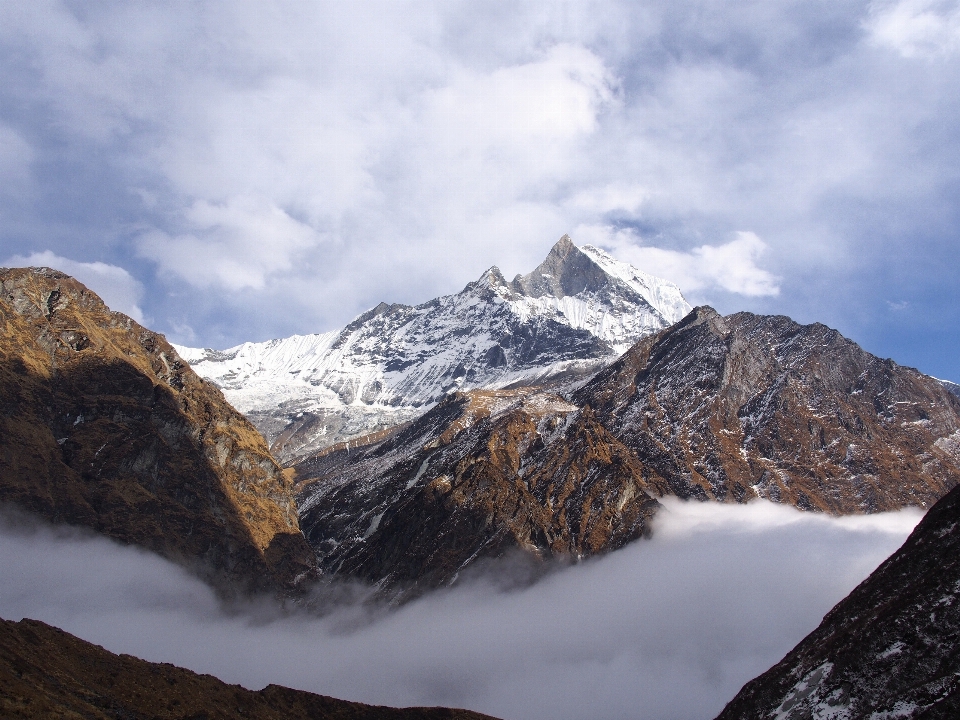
x: 731, y: 267
x: 666, y: 628
x: 115, y: 286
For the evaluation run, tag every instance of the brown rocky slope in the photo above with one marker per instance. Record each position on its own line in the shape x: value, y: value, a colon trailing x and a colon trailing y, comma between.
x: 731, y: 408
x: 713, y: 408
x: 103, y: 426
x: 471, y: 479
x: 46, y: 673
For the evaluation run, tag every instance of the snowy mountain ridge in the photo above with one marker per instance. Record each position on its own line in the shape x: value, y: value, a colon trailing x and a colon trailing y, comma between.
x: 577, y: 311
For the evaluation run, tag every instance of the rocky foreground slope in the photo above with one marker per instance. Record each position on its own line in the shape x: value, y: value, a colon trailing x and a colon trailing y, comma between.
x: 568, y: 318
x: 713, y: 408
x: 103, y: 426
x: 890, y: 649
x: 47, y: 673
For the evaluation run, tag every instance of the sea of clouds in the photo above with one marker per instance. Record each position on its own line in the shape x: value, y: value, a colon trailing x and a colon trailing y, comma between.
x: 669, y: 627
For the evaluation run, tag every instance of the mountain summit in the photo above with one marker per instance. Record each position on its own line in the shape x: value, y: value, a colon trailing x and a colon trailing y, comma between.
x: 574, y: 314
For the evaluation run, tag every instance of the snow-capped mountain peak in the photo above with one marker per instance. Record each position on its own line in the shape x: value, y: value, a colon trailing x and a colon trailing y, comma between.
x: 574, y: 313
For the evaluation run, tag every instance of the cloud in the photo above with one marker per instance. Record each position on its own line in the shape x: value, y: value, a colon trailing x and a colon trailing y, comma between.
x: 916, y: 28
x: 665, y: 628
x: 15, y: 156
x: 731, y: 267
x: 115, y: 286
x: 394, y: 151
x: 237, y: 244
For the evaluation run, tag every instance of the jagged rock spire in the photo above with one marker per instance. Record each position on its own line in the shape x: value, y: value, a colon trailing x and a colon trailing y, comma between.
x: 565, y: 271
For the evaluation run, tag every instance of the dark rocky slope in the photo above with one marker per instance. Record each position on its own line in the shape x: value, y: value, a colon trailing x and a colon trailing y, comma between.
x: 712, y: 408
x: 472, y: 479
x: 890, y: 649
x: 46, y: 673
x: 103, y: 426
x: 731, y: 408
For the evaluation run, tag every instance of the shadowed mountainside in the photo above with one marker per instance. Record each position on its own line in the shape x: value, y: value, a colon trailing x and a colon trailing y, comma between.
x: 45, y: 672
x: 103, y: 426
x: 471, y: 479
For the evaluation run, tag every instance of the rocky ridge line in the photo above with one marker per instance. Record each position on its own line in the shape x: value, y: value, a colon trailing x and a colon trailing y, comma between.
x: 713, y: 408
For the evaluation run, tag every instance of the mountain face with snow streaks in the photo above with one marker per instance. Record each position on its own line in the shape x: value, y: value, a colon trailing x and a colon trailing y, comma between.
x: 712, y: 408
x: 482, y: 474
x: 572, y: 315
x: 743, y: 406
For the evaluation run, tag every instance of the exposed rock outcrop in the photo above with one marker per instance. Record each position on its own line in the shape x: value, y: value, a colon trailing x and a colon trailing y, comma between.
x: 731, y: 408
x: 103, y: 425
x: 483, y: 473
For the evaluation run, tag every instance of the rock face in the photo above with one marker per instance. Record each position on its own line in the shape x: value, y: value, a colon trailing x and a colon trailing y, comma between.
x: 731, y: 408
x: 46, y: 673
x: 481, y: 474
x: 890, y: 649
x: 566, y: 319
x: 102, y: 425
x: 712, y: 408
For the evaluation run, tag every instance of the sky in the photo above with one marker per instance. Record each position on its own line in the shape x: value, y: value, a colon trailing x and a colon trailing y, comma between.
x: 229, y: 171
x: 668, y: 628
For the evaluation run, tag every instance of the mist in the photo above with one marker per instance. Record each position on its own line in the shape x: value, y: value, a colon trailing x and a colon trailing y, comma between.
x: 669, y: 627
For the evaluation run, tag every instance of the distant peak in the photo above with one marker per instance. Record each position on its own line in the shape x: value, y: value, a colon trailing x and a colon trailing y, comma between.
x: 565, y: 271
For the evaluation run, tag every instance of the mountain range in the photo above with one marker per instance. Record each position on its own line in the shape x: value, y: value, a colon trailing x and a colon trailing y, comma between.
x: 541, y: 417
x: 572, y: 315
x: 103, y: 426
x: 712, y: 408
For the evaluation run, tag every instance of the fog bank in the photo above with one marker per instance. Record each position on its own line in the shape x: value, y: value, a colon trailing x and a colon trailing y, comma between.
x: 669, y: 627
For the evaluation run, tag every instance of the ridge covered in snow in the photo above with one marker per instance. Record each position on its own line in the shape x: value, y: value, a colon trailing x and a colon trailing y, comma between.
x: 576, y: 312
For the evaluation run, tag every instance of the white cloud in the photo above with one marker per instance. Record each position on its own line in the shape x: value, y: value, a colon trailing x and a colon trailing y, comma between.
x: 236, y: 245
x: 916, y: 28
x: 419, y: 143
x: 731, y: 267
x: 664, y: 629
x: 115, y: 286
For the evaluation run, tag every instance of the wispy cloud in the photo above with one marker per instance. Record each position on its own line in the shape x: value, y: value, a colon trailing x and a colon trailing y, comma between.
x: 732, y: 266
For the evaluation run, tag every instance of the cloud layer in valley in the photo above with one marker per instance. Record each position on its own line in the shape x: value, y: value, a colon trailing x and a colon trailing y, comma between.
x: 265, y: 168
x: 666, y: 628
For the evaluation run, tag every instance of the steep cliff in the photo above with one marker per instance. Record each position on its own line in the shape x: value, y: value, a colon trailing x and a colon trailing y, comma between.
x: 103, y: 425
x: 730, y: 408
x: 712, y: 408
x: 483, y: 473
